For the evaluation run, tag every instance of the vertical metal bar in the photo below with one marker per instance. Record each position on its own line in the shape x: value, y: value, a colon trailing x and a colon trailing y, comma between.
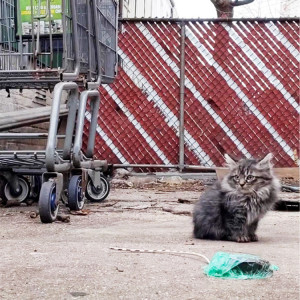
x: 121, y: 6
x: 7, y: 26
x: 33, y: 48
x: 38, y: 51
x: 75, y: 38
x: 1, y: 14
x: 52, y: 133
x: 65, y: 29
x: 95, y: 103
x: 96, y: 12
x: 50, y: 35
x: 73, y: 107
x: 75, y: 41
x: 22, y: 63
x: 181, y: 95
x: 88, y: 3
x: 1, y: 35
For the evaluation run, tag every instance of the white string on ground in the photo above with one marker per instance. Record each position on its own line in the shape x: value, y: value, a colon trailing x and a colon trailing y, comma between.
x: 159, y: 251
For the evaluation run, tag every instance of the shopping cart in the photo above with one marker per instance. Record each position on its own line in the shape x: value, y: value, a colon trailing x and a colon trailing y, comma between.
x: 67, y: 47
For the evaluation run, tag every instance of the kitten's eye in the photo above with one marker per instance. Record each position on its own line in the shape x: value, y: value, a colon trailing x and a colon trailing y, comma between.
x: 250, y: 178
x: 236, y: 177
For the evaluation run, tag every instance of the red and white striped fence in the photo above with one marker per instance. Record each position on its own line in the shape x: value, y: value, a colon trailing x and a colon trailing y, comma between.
x: 240, y: 84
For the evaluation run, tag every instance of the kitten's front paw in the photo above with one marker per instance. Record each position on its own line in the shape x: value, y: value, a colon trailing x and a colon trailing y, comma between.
x: 253, y: 238
x: 243, y: 239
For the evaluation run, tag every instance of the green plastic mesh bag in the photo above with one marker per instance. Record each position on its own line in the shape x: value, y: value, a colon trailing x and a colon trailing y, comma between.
x: 239, y: 266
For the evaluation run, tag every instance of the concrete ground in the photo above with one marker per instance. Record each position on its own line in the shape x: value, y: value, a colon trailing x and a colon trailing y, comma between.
x: 74, y: 260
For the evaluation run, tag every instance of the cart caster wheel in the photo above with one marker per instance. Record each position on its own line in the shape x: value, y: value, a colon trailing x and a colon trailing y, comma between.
x: 3, y: 201
x: 22, y: 193
x: 97, y: 193
x: 48, y: 204
x: 36, y: 187
x: 76, y: 199
x: 29, y: 202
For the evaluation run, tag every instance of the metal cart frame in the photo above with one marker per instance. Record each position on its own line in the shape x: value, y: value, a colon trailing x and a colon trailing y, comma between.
x: 75, y: 58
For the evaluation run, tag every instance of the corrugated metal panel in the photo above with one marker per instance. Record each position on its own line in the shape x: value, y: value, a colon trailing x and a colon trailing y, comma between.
x: 139, y: 9
x: 148, y: 9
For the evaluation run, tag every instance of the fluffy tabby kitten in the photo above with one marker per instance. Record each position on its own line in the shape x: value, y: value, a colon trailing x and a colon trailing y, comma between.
x: 232, y: 209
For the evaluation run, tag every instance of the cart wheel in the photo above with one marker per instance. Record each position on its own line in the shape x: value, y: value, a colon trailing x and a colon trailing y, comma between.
x: 48, y: 204
x: 97, y: 193
x: 36, y: 187
x: 76, y: 199
x: 3, y: 201
x: 21, y: 195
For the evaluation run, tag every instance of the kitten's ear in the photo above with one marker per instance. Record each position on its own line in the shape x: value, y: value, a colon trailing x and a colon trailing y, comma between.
x: 231, y: 163
x: 265, y: 162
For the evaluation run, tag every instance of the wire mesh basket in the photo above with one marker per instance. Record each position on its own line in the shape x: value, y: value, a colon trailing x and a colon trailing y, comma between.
x: 43, y: 42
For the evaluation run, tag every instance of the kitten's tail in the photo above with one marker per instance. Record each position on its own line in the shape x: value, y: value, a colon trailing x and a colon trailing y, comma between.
x: 159, y: 251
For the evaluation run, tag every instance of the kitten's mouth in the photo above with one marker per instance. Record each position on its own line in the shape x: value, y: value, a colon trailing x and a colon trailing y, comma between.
x: 244, y: 190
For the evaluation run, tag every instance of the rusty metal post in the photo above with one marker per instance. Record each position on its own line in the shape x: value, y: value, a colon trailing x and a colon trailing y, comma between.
x: 181, y: 94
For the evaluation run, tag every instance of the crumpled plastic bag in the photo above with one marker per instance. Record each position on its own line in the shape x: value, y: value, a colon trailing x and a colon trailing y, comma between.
x: 239, y: 266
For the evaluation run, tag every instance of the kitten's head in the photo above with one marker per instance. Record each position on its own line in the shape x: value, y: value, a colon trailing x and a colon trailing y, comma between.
x: 248, y: 175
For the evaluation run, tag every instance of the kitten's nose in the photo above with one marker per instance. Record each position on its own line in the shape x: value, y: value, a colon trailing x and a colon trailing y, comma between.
x: 242, y: 182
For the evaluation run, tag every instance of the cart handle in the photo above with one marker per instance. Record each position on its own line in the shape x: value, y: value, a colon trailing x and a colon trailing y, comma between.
x: 95, y: 104
x: 54, y: 118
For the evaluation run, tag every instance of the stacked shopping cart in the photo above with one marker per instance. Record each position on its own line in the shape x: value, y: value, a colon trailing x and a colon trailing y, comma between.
x: 67, y: 47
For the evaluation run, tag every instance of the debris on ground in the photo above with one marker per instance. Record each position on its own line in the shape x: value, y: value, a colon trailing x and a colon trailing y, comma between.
x: 63, y: 218
x: 34, y: 214
x: 176, y: 211
x: 82, y: 212
x: 164, y: 183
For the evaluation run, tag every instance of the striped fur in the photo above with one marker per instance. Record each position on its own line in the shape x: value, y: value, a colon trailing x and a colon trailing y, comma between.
x: 232, y: 209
